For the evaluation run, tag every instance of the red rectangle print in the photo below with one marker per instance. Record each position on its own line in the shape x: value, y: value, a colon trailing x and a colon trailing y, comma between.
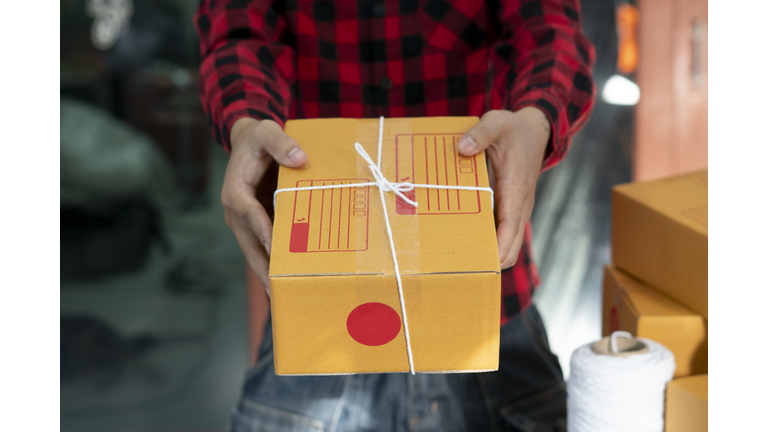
x: 299, y: 237
x: 444, y: 166
x: 330, y: 220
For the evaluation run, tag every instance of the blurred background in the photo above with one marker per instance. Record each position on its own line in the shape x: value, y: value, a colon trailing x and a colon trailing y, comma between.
x: 159, y: 316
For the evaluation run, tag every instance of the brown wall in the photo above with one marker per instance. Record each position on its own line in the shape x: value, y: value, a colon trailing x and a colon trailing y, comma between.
x: 671, y: 117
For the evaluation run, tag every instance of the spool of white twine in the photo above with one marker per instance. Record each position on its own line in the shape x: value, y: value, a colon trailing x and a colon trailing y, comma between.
x: 620, y: 391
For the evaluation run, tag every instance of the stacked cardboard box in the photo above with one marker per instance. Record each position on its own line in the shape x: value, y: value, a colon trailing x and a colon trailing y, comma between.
x: 632, y: 306
x: 687, y: 402
x: 657, y: 285
x: 660, y: 236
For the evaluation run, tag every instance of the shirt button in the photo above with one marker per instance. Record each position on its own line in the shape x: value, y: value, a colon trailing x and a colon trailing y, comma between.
x: 385, y: 83
x: 379, y: 10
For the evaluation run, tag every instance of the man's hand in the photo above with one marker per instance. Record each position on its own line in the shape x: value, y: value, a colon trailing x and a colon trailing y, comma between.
x: 515, y: 144
x: 255, y: 144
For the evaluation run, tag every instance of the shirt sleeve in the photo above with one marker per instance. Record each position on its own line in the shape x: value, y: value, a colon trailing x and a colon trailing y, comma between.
x: 548, y: 63
x: 245, y: 70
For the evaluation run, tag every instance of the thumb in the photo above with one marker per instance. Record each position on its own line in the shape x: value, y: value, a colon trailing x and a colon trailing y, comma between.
x: 284, y: 149
x: 479, y: 137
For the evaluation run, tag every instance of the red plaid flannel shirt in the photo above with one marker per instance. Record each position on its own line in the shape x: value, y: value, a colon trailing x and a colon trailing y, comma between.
x: 399, y: 58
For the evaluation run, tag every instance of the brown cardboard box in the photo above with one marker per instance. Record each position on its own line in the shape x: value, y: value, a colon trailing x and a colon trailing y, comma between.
x: 660, y: 235
x: 687, y: 404
x: 334, y: 295
x: 631, y: 306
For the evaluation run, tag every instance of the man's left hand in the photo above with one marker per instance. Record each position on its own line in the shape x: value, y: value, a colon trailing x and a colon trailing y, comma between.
x: 515, y: 144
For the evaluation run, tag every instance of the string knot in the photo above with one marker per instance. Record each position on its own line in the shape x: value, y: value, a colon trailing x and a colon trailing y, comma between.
x: 382, y: 182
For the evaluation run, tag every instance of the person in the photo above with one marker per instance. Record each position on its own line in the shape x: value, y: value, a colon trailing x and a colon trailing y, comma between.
x: 522, y: 66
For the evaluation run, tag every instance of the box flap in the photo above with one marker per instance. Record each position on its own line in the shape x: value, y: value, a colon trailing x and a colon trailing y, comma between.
x: 342, y: 324
x: 682, y: 198
x: 630, y: 305
x: 341, y: 231
x: 650, y: 302
x: 697, y: 385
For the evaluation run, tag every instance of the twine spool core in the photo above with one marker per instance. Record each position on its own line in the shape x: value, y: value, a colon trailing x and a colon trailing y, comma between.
x: 626, y: 345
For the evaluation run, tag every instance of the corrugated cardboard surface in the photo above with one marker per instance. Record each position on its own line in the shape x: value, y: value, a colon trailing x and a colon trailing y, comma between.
x: 687, y: 404
x: 330, y: 251
x: 631, y: 306
x: 660, y: 235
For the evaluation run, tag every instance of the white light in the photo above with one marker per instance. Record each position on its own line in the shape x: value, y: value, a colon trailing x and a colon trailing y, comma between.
x: 621, y: 91
x: 111, y: 19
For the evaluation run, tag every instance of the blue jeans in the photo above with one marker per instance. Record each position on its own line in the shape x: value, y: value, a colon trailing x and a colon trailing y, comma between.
x: 527, y: 393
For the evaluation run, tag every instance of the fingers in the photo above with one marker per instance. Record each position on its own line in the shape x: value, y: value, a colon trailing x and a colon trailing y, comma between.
x: 522, y: 217
x: 255, y: 143
x: 514, y: 144
x: 284, y: 149
x: 514, y: 250
x: 252, y: 227
x: 505, y: 235
x: 265, y: 137
x: 510, y: 216
x: 483, y: 134
x: 514, y: 205
x: 258, y: 221
x: 254, y: 253
x: 241, y: 208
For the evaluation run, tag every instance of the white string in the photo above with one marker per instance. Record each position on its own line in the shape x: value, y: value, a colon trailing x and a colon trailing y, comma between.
x: 415, y: 185
x: 385, y: 185
x: 399, y: 281
x: 613, y: 393
x: 381, y: 139
x: 615, y: 335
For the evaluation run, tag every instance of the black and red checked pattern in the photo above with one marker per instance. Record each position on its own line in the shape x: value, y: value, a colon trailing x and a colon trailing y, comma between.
x: 399, y: 58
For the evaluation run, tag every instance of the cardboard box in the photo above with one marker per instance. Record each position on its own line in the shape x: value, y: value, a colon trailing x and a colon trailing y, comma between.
x: 687, y: 404
x: 334, y: 295
x: 631, y: 306
x: 660, y: 235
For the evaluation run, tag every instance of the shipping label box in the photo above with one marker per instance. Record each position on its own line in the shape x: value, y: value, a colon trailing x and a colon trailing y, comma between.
x: 334, y: 295
x: 687, y: 404
x: 660, y: 235
x: 632, y: 306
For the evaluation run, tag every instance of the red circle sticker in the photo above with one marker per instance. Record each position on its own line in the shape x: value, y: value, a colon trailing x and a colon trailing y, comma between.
x: 373, y: 324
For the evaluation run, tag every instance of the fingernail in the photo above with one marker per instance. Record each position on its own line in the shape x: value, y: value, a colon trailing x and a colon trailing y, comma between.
x: 466, y: 145
x: 268, y: 248
x: 296, y: 154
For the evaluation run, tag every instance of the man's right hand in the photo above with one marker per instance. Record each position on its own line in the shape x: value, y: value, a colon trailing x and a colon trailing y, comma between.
x: 255, y: 144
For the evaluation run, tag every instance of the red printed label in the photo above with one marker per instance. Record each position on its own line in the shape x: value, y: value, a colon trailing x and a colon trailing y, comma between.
x: 330, y: 220
x: 442, y: 165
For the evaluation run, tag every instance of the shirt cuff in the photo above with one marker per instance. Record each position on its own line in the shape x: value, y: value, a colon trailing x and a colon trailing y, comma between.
x: 232, y: 115
x: 553, y: 107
